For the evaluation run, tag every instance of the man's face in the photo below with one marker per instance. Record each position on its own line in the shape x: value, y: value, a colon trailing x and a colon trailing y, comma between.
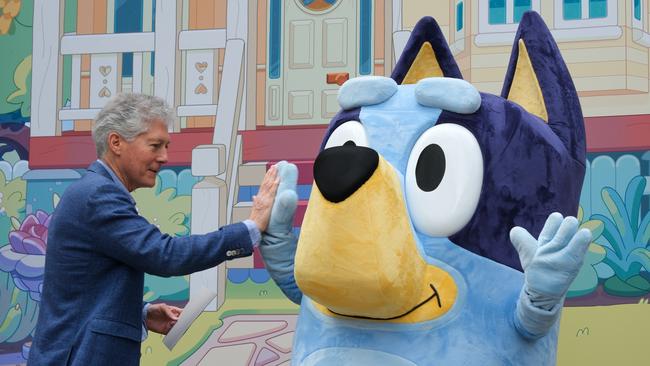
x: 143, y: 157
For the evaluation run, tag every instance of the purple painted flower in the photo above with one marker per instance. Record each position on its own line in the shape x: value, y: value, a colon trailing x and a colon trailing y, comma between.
x: 31, y: 237
x: 24, y: 257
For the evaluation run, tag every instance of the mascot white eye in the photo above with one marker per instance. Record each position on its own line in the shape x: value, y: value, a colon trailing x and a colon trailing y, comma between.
x: 443, y: 179
x: 348, y: 133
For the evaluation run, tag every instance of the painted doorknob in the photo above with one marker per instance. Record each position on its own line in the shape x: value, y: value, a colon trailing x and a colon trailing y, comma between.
x: 337, y: 77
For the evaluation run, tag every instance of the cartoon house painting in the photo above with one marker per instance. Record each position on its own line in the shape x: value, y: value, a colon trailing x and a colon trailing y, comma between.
x: 253, y: 82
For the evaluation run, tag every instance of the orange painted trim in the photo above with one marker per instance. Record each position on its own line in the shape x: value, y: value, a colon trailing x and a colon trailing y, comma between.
x: 380, y: 15
x: 261, y: 31
x: 85, y: 17
x: 100, y: 17
x: 220, y: 13
x: 207, y: 14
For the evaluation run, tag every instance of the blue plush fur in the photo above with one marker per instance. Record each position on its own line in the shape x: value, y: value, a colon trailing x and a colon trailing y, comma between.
x: 531, y: 168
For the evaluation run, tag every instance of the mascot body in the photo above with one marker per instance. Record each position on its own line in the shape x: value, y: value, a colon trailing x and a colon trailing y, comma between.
x: 406, y: 254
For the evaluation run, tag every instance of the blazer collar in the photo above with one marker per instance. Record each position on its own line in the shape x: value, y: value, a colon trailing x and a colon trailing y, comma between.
x: 99, y: 168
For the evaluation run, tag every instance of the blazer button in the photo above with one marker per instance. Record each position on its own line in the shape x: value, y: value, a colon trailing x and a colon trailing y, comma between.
x: 229, y: 253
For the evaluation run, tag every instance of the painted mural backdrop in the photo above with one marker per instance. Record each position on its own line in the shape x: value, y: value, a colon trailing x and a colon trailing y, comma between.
x: 260, y: 93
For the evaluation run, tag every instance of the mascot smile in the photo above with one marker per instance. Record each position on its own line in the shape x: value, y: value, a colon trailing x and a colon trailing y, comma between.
x: 439, y: 228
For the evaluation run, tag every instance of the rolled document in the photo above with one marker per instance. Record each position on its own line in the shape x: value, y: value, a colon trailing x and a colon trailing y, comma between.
x: 192, y: 310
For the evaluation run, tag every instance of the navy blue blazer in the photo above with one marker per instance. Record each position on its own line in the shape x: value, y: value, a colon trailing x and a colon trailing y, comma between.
x: 98, y: 251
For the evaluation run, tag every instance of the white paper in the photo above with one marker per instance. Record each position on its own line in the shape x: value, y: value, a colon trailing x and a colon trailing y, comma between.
x: 192, y: 310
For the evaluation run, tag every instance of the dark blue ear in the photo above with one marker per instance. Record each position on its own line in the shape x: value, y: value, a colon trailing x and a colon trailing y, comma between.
x: 560, y: 99
x: 426, y: 54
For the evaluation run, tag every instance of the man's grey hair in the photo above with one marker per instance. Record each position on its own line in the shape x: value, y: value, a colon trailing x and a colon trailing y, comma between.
x: 128, y: 115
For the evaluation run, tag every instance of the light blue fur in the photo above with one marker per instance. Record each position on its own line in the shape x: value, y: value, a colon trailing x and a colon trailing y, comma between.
x: 399, y: 116
x: 493, y: 320
x: 454, y: 95
x: 366, y: 90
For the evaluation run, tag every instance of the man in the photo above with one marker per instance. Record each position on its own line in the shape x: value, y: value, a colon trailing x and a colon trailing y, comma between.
x: 99, y: 247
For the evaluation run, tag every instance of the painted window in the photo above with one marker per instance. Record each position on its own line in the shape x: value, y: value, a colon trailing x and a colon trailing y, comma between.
x: 637, y: 9
x: 521, y: 6
x: 318, y: 5
x: 497, y: 12
x: 507, y: 11
x: 502, y: 17
x: 597, y: 9
x: 588, y: 13
x: 458, y: 45
x: 365, y: 37
x: 128, y: 19
x: 275, y: 41
x: 573, y: 9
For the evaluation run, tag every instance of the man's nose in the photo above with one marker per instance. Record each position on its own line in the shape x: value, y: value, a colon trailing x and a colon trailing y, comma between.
x: 162, y: 157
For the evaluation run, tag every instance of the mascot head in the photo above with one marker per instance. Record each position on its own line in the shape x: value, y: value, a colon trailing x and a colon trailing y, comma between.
x: 423, y: 156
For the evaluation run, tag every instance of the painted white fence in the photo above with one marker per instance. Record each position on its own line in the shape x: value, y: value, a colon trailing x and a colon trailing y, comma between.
x: 171, y: 48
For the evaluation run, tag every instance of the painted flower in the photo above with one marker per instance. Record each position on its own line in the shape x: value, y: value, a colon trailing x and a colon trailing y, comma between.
x: 31, y: 237
x: 9, y: 9
x: 24, y: 257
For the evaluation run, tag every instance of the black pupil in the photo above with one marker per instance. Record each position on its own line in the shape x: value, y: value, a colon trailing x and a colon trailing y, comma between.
x: 349, y: 143
x: 430, y: 168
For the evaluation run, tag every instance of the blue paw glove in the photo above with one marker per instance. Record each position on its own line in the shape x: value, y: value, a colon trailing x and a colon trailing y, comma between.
x: 278, y: 245
x: 550, y: 264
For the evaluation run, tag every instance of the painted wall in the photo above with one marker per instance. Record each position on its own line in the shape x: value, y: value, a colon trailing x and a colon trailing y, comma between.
x: 229, y: 61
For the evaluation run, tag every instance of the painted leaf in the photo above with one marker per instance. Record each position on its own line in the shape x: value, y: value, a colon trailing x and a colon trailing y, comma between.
x: 618, y: 212
x: 611, y: 233
x: 595, y: 226
x: 633, y: 196
x: 641, y: 256
x: 29, y: 309
x: 643, y: 235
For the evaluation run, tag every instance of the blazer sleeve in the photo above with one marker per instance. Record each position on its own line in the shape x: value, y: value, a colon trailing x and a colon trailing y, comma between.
x: 118, y: 231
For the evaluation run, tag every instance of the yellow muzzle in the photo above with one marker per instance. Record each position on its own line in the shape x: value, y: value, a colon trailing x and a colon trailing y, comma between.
x: 359, y: 257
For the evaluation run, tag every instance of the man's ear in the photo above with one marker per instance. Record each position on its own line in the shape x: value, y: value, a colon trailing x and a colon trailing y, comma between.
x: 115, y: 143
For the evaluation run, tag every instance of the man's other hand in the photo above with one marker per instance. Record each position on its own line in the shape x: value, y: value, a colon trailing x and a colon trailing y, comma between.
x: 162, y: 317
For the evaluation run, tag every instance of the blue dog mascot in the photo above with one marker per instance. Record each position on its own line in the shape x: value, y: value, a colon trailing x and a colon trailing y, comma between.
x: 413, y: 250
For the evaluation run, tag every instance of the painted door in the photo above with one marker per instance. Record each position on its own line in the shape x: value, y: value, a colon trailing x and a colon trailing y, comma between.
x: 319, y: 48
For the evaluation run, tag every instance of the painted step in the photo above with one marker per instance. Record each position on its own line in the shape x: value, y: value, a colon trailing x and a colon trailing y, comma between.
x: 282, y: 143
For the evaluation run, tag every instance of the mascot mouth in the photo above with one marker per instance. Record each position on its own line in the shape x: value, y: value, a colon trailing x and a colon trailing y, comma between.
x: 434, y: 295
x: 359, y: 257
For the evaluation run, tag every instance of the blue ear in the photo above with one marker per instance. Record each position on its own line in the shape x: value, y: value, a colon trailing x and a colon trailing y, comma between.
x: 560, y: 98
x: 426, y: 54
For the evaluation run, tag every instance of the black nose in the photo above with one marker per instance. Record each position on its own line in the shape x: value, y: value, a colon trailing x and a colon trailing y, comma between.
x: 340, y: 171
